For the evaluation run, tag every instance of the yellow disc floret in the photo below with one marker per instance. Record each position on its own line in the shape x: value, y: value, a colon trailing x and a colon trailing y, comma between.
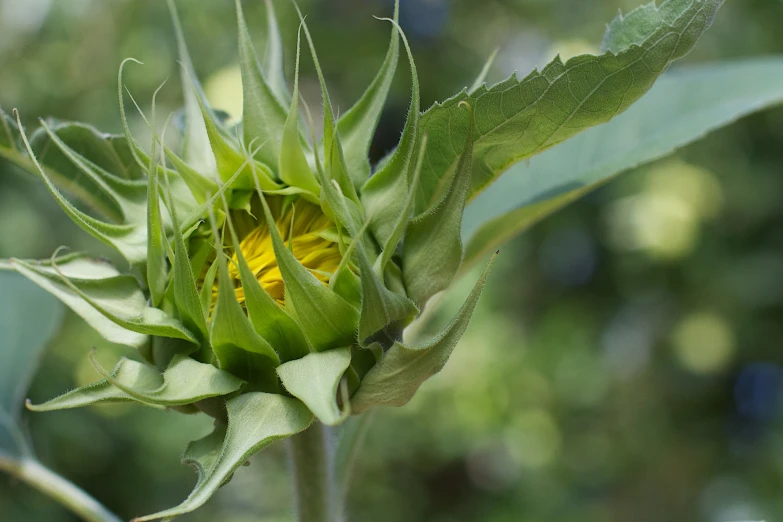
x: 306, y: 231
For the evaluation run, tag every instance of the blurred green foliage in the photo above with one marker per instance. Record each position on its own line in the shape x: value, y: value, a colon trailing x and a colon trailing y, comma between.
x: 624, y: 363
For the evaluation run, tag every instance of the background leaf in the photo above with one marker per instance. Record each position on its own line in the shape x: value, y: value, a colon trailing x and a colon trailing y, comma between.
x: 681, y: 108
x: 29, y: 317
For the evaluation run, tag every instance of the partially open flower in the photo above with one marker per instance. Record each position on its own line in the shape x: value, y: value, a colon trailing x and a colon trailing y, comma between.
x: 271, y: 275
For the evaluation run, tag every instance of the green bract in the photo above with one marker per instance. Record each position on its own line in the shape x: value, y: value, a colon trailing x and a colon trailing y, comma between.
x: 271, y: 275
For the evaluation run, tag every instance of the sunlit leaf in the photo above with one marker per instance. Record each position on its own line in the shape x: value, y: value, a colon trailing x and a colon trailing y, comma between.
x: 516, y: 119
x: 682, y: 107
x: 239, y: 349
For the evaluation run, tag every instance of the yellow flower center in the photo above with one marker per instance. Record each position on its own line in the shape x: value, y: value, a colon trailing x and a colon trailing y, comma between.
x: 306, y: 231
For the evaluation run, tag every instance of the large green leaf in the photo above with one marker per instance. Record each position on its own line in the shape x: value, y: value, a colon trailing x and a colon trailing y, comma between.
x: 517, y: 119
x: 682, y: 107
x: 29, y: 317
x: 255, y: 420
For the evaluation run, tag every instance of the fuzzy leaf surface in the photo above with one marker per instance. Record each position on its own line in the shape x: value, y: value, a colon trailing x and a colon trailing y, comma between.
x: 255, y: 420
x: 185, y: 381
x: 517, y: 119
x: 314, y: 380
x: 682, y: 107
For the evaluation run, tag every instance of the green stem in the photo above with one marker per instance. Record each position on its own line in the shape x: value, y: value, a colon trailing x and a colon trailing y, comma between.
x: 46, y: 481
x: 312, y: 462
x: 352, y: 437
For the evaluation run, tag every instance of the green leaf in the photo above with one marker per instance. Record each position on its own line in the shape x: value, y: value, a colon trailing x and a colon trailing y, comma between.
x: 29, y: 317
x: 189, y: 187
x: 195, y: 147
x: 157, y: 265
x: 381, y: 308
x: 401, y: 223
x: 398, y: 374
x: 516, y: 119
x: 357, y: 126
x: 294, y: 169
x: 108, y: 153
x: 185, y: 381
x: 314, y: 380
x: 329, y: 127
x: 128, y: 239
x: 268, y: 318
x: 326, y: 318
x: 683, y: 106
x: 263, y: 116
x: 235, y: 169
x: 111, y: 303
x: 132, y: 373
x: 126, y: 196
x: 186, y: 296
x: 202, y: 454
x: 274, y: 66
x: 239, y: 349
x: 383, y: 196
x: 432, y: 252
x: 334, y: 160
x: 255, y: 420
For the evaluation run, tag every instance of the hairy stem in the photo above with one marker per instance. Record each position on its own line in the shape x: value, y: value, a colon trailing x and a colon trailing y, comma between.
x: 312, y: 463
x: 48, y: 482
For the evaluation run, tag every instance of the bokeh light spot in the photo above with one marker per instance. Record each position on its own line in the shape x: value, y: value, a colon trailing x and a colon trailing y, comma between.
x: 534, y: 439
x: 704, y: 342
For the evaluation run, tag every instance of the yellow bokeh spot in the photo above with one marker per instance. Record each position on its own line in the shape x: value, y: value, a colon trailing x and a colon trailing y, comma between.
x: 533, y: 439
x: 572, y: 47
x: 224, y: 91
x: 704, y: 342
x: 665, y: 218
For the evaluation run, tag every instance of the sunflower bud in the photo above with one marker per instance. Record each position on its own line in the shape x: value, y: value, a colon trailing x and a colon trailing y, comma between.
x: 271, y: 275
